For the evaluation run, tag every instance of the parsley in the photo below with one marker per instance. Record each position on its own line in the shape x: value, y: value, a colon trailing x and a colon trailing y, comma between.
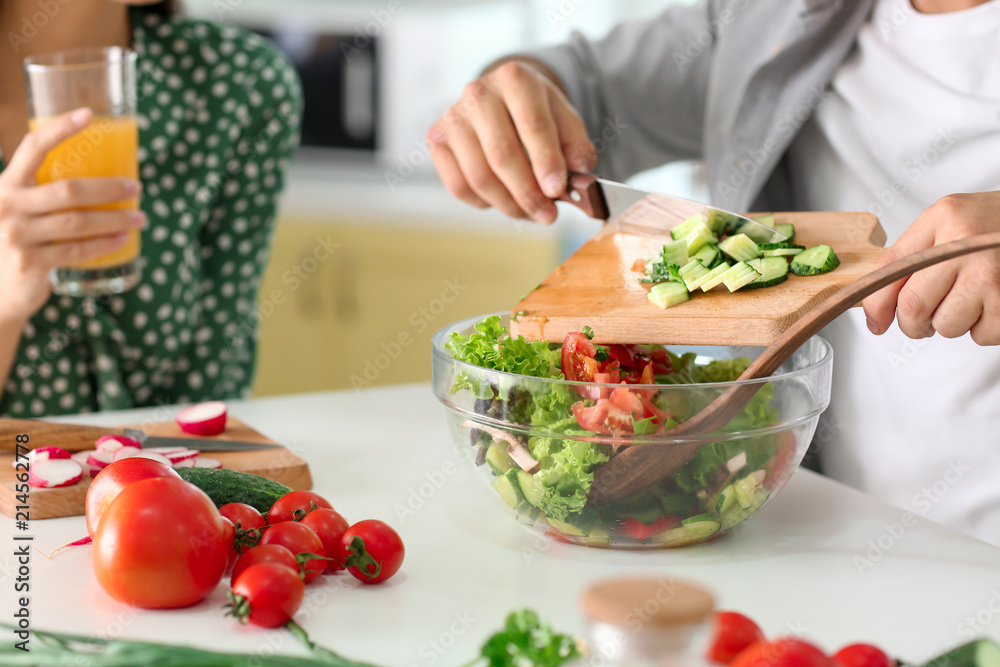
x: 603, y: 352
x: 525, y: 641
x: 588, y: 332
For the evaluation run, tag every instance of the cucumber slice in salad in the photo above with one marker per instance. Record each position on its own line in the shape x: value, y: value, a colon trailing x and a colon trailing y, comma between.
x: 498, y: 459
x: 772, y: 270
x: 814, y: 261
x: 736, y: 514
x: 531, y: 490
x: 667, y: 295
x: 690, y: 532
x: 740, y: 247
x: 506, y: 486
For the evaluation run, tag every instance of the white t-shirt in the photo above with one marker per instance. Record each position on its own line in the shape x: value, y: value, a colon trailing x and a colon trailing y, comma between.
x: 913, y: 115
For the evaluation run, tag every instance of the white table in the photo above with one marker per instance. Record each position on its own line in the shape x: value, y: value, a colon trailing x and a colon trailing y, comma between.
x: 795, y: 567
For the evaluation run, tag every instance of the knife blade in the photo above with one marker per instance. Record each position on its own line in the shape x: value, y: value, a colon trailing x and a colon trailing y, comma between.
x: 79, y: 437
x: 653, y: 213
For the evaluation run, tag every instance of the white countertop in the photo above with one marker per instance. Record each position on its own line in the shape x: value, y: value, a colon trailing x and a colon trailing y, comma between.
x: 795, y: 568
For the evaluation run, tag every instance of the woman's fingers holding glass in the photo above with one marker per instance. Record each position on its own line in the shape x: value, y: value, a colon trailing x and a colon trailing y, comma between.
x: 30, y: 154
x: 76, y: 193
x: 74, y: 252
x: 74, y: 225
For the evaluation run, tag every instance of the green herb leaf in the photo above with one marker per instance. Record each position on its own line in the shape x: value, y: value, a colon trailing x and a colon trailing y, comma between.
x: 527, y: 642
x: 491, y: 346
x: 603, y: 353
x: 643, y: 426
x: 588, y: 332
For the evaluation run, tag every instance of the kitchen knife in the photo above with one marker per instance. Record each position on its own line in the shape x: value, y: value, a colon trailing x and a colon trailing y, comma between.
x: 652, y: 213
x: 76, y: 437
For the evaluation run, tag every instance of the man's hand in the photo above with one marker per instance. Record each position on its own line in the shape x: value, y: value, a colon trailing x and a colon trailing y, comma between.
x: 508, y: 143
x: 953, y: 298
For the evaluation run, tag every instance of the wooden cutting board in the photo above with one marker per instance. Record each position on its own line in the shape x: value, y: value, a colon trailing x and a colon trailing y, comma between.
x: 280, y: 464
x: 598, y: 287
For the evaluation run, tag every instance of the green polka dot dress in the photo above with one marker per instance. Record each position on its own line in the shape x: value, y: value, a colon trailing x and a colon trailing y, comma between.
x: 219, y: 114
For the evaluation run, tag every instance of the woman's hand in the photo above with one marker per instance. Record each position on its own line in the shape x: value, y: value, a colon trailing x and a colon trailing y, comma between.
x: 508, y: 141
x: 953, y: 298
x: 41, y: 227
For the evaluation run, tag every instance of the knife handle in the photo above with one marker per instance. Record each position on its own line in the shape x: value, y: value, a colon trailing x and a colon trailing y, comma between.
x: 71, y: 437
x: 584, y: 192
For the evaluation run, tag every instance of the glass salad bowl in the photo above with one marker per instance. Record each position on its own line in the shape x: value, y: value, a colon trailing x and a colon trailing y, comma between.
x: 538, y: 438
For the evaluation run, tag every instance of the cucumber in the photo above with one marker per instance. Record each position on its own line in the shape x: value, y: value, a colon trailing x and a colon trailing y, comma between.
x: 978, y: 653
x: 529, y: 487
x: 784, y: 249
x: 666, y: 295
x: 737, y: 514
x: 229, y: 486
x: 709, y: 256
x: 579, y: 525
x: 740, y: 247
x: 566, y: 528
x: 766, y: 219
x: 505, y: 486
x: 744, y: 489
x: 691, y: 272
x: 690, y: 533
x: 719, y: 222
x: 786, y: 230
x: 727, y: 498
x: 683, y: 229
x: 714, y: 277
x: 498, y: 459
x: 814, y: 261
x: 699, y: 236
x: 755, y: 233
x: 739, y: 275
x: 772, y: 270
x: 675, y: 253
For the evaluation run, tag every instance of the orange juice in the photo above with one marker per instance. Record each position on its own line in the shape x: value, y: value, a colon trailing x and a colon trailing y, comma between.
x: 108, y: 146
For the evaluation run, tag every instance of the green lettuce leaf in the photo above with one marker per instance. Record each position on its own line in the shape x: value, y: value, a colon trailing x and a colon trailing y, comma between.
x: 491, y: 346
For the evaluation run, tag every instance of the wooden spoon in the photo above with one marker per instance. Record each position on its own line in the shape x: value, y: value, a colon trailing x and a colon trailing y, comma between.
x: 638, y: 466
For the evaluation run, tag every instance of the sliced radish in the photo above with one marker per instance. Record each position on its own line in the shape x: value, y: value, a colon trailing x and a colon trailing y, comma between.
x: 133, y: 453
x: 109, y: 443
x: 75, y: 543
x: 186, y: 463
x: 53, y: 473
x: 203, y: 418
x: 207, y: 462
x: 182, y: 455
x: 89, y: 469
x: 164, y: 451
x: 100, y: 459
x: 47, y: 452
x: 759, y: 476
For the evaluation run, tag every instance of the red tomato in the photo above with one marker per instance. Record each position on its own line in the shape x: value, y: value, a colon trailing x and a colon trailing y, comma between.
x: 113, y: 478
x: 294, y: 505
x: 782, y: 653
x: 862, y: 655
x: 626, y: 401
x: 267, y: 594
x: 330, y: 527
x: 622, y: 354
x: 242, y: 515
x: 376, y: 551
x: 230, y: 537
x: 638, y: 530
x: 603, y: 417
x: 731, y: 633
x: 161, y: 544
x: 578, y: 363
x: 298, y: 539
x: 264, y: 553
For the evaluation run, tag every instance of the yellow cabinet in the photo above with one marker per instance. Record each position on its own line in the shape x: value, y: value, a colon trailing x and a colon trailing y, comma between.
x: 351, y: 305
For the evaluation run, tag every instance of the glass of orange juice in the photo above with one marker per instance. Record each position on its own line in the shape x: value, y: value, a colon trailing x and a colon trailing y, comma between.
x: 104, y: 80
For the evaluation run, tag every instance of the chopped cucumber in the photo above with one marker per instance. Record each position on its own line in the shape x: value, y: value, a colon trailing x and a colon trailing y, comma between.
x: 689, y: 533
x: 506, y: 486
x: 675, y: 253
x: 683, y: 229
x: 566, y: 528
x: 714, y: 277
x: 772, y: 270
x: 740, y: 247
x: 720, y: 222
x: 738, y: 275
x: 530, y: 488
x: 709, y: 255
x: 579, y: 525
x: 978, y: 653
x: 786, y: 230
x: 498, y: 458
x: 691, y: 272
x: 780, y: 249
x: 744, y: 489
x: 667, y: 295
x: 756, y: 233
x: 815, y: 260
x: 727, y: 498
x: 766, y: 219
x: 699, y: 237
x: 737, y: 514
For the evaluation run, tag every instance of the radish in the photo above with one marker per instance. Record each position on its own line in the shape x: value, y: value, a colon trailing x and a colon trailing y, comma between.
x: 99, y: 458
x: 207, y: 462
x: 89, y: 469
x: 184, y: 454
x: 186, y: 463
x: 47, y: 452
x: 53, y: 473
x: 759, y: 476
x: 133, y: 453
x: 164, y: 451
x: 203, y: 418
x: 109, y: 443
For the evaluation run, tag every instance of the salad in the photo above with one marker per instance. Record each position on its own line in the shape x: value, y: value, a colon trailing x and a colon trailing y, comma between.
x: 542, y: 441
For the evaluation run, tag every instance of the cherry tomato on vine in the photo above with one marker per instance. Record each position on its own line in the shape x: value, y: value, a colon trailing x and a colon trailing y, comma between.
x: 375, y: 551
x: 862, y: 655
x: 266, y: 594
x: 731, y: 633
x: 264, y: 553
x: 298, y: 539
x: 330, y: 527
x: 285, y: 507
x: 782, y: 653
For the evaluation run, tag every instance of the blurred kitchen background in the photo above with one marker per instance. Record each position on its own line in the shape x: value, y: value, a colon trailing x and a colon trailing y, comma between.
x: 371, y: 254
